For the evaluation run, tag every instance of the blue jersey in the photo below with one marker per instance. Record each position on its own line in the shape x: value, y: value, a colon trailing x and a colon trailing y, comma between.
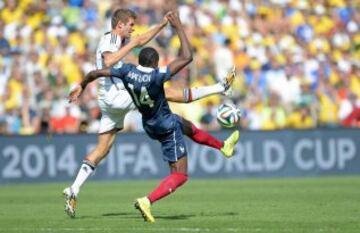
x: 146, y: 87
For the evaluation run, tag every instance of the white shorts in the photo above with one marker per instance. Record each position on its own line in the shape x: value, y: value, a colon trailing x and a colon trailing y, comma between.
x: 114, y: 106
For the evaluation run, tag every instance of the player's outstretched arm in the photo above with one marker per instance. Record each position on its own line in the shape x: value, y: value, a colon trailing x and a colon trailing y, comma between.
x: 93, y: 75
x: 143, y: 39
x: 138, y: 41
x: 185, y: 48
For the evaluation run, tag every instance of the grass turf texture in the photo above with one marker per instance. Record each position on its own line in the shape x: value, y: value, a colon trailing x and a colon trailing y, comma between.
x: 330, y: 204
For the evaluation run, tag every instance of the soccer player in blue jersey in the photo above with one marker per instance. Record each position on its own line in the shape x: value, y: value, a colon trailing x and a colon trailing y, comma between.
x: 145, y: 83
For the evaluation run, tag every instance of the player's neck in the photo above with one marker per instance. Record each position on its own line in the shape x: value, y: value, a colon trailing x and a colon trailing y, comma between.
x: 117, y: 32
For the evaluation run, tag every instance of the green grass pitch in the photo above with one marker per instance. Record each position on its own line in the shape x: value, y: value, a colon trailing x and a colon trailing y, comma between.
x: 323, y: 205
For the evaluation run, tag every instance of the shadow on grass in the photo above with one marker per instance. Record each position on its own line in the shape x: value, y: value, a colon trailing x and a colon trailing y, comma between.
x: 176, y: 217
x: 218, y: 214
x: 137, y: 215
x: 120, y: 214
x: 188, y: 216
x: 134, y: 215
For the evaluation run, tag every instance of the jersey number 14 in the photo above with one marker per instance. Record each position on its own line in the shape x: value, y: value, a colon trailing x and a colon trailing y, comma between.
x: 144, y: 97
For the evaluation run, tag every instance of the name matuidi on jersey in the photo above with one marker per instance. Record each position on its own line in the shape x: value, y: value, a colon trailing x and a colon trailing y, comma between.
x: 138, y: 77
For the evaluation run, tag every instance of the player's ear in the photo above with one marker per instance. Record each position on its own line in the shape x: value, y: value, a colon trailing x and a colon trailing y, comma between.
x: 120, y: 25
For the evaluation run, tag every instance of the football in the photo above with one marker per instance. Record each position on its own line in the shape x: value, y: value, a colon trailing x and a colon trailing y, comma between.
x: 228, y: 115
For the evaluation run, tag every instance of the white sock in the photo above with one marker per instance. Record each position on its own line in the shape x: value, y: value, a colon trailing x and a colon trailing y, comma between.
x: 196, y: 93
x: 85, y: 171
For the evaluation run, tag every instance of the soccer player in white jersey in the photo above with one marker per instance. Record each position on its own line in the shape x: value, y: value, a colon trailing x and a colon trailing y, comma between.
x: 113, y: 99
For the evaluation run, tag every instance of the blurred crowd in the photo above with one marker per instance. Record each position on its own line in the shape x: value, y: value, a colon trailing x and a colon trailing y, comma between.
x: 298, y: 61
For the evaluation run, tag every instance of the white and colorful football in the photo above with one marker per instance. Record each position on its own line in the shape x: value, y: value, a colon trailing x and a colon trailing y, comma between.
x: 228, y: 115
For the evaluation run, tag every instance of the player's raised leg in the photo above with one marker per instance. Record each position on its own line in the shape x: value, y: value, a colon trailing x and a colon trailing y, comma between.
x: 203, y: 137
x: 188, y: 95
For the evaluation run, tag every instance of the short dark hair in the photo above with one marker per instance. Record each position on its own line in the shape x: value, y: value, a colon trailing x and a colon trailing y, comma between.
x: 121, y: 15
x: 148, y: 57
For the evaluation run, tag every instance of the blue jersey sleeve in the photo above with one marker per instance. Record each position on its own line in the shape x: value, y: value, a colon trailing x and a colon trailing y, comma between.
x: 164, y: 74
x: 120, y: 71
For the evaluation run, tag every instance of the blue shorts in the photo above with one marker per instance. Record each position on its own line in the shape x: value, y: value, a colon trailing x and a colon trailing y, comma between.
x: 172, y: 144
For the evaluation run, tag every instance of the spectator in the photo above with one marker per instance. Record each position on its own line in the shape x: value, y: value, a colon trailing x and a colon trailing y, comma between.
x: 349, y: 112
x: 208, y: 118
x: 223, y: 59
x: 298, y: 61
x: 4, y: 43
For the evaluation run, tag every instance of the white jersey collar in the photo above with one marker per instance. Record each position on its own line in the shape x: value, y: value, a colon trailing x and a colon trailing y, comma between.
x: 144, y: 69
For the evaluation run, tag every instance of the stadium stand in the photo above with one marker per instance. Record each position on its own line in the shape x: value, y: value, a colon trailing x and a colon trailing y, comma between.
x: 298, y: 61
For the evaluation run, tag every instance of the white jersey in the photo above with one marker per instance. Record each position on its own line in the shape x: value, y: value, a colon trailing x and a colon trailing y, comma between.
x: 108, y: 43
x: 114, y: 100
